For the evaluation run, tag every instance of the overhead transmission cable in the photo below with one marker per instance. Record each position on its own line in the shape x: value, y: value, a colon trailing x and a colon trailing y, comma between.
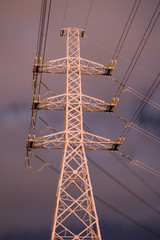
x: 104, y: 202
x: 126, y: 216
x: 41, y: 29
x: 142, y: 105
x: 120, y: 56
x: 41, y: 45
x: 141, y: 165
x: 65, y: 11
x: 138, y: 129
x: 126, y: 29
x: 142, y: 97
x: 147, y: 168
x: 138, y: 163
x: 45, y: 41
x: 123, y: 186
x: 138, y: 51
x: 85, y: 26
x: 134, y: 172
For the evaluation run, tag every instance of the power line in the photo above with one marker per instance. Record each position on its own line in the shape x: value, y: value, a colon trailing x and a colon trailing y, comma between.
x: 141, y: 96
x: 64, y: 16
x: 124, y: 186
x: 120, y: 56
x: 147, y: 168
x: 42, y: 32
x: 139, y: 49
x: 88, y: 15
x: 126, y: 216
x: 134, y: 173
x: 143, y: 104
x: 138, y: 129
x: 45, y: 42
x: 144, y: 132
x: 131, y: 125
x: 41, y: 28
x: 121, y: 42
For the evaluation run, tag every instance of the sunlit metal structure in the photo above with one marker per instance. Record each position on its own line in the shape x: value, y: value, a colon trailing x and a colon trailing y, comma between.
x: 75, y: 214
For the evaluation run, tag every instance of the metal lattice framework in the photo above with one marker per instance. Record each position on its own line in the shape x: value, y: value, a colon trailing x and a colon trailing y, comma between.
x: 75, y: 214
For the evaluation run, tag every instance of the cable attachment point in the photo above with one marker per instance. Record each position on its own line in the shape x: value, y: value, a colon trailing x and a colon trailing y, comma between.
x: 112, y: 105
x: 36, y: 66
x: 132, y: 162
x: 116, y: 145
x: 30, y: 143
x: 61, y: 32
x: 110, y: 68
x: 35, y: 102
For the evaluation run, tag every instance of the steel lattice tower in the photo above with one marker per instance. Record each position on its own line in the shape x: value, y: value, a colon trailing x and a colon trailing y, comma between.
x: 74, y: 169
x: 75, y: 214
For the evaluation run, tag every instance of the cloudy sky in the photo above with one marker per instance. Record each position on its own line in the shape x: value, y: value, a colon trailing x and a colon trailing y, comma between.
x: 27, y: 199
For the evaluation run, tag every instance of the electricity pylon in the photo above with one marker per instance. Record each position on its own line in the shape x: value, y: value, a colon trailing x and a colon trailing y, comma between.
x: 75, y: 214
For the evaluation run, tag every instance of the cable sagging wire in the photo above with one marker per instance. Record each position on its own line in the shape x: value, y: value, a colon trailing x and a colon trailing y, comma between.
x: 139, y: 50
x: 65, y: 11
x: 141, y: 96
x: 88, y: 15
x: 124, y: 186
x: 133, y: 172
x: 142, y: 105
x: 126, y: 29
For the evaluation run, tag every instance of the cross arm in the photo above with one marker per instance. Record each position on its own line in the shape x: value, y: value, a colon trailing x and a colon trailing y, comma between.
x: 90, y: 104
x: 87, y: 67
x: 50, y: 103
x: 54, y: 66
x: 93, y: 68
x: 57, y: 141
x: 51, y: 141
x: 94, y: 142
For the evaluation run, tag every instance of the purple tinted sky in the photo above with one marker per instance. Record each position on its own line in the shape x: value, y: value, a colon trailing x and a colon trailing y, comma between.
x: 27, y: 200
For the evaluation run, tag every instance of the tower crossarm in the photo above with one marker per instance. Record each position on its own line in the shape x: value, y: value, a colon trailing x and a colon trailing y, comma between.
x: 90, y: 104
x: 87, y: 67
x: 94, y: 142
x: 51, y: 103
x: 54, y: 66
x: 93, y: 68
x: 51, y: 141
x: 57, y: 141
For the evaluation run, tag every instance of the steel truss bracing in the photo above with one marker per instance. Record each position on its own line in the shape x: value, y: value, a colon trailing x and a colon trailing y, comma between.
x: 75, y: 214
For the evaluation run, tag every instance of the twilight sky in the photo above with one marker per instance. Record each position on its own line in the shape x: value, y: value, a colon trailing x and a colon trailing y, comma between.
x: 27, y: 199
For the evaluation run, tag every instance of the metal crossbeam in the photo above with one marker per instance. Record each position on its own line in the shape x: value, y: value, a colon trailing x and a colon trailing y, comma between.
x: 58, y: 141
x: 89, y: 104
x: 87, y: 67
